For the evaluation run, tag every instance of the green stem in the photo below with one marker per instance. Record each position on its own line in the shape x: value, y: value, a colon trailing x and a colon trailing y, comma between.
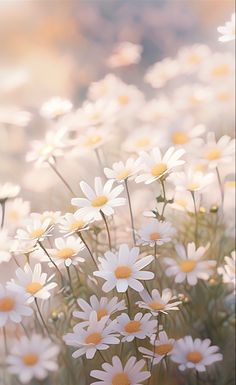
x: 196, y: 217
x: 130, y: 210
x: 88, y: 249
x: 220, y: 185
x: 165, y: 200
x: 107, y: 228
x: 62, y: 178
x: 41, y: 317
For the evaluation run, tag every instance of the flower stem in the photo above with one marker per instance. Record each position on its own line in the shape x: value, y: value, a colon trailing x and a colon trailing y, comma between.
x: 130, y: 210
x: 41, y: 317
x: 99, y: 160
x: 196, y: 217
x: 70, y: 282
x: 88, y: 249
x: 220, y: 185
x: 3, y: 205
x: 62, y: 178
x: 107, y: 228
x: 165, y: 200
x: 54, y: 264
x: 5, y: 340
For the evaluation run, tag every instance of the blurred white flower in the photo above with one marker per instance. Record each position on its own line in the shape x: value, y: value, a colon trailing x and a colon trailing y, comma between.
x: 35, y: 229
x: 100, y: 112
x: 192, y: 58
x: 17, y: 211
x: 144, y: 139
x: 191, y: 180
x: 214, y: 152
x: 55, y: 107
x: 228, y: 270
x: 8, y: 190
x: 161, y: 72
x: 219, y: 68
x: 5, y: 246
x: 227, y: 30
x: 72, y: 223
x: 124, y: 54
x: 155, y: 232
x: 14, y: 116
x: 121, y: 171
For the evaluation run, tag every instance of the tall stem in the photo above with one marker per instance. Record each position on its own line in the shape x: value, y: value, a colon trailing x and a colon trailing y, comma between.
x: 196, y: 217
x: 165, y: 200
x: 99, y: 161
x: 5, y: 339
x: 70, y: 282
x: 51, y: 260
x: 130, y: 210
x: 88, y: 249
x: 41, y: 317
x: 3, y: 205
x: 220, y: 185
x: 62, y: 178
x: 107, y: 228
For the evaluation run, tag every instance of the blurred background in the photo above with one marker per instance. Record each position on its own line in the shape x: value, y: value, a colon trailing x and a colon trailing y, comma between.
x: 57, y: 48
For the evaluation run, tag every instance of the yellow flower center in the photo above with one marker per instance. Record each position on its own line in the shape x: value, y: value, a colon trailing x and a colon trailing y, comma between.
x: 123, y: 174
x: 13, y: 214
x: 194, y: 357
x: 6, y: 304
x: 101, y: 313
x: 193, y: 186
x: 194, y: 58
x: 122, y: 272
x: 143, y: 142
x: 37, y: 233
x: 158, y: 169
x: 77, y: 225
x: 46, y: 150
x: 93, y: 338
x: 230, y: 183
x: 187, y: 266
x: 30, y: 359
x: 156, y: 305
x: 92, y: 140
x: 179, y: 137
x: 67, y: 252
x: 213, y: 154
x: 155, y: 236
x: 121, y: 379
x: 123, y: 99
x: 163, y: 349
x: 181, y: 202
x: 220, y: 70
x: 99, y: 201
x: 33, y: 287
x: 133, y: 327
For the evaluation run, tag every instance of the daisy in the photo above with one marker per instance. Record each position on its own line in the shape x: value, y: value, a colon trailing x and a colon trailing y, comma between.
x: 8, y: 190
x: 35, y: 229
x: 195, y: 354
x: 157, y: 109
x: 157, y: 302
x: 67, y: 250
x: 72, y: 223
x: 124, y: 54
x: 116, y: 374
x: 161, y: 72
x: 17, y: 211
x: 14, y: 116
x: 183, y: 201
x: 218, y: 69
x: 103, y: 307
x: 124, y: 269
x: 12, y: 305
x: 162, y: 347
x: 98, y: 336
x: 192, y: 180
x: 156, y: 233
x: 156, y: 166
x: 55, y: 107
x: 191, y: 58
x: 102, y: 198
x: 228, y: 271
x: 32, y: 358
x: 33, y: 282
x: 218, y: 152
x: 99, y: 112
x: 5, y: 246
x: 143, y: 140
x: 121, y: 171
x: 92, y: 139
x: 140, y: 327
x: 227, y: 30
x: 184, y: 133
x: 53, y: 216
x: 189, y: 264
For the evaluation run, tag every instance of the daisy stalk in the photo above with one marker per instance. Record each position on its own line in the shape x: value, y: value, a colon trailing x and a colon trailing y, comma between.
x: 41, y: 317
x: 51, y: 260
x: 88, y: 248
x: 107, y: 229
x: 3, y: 206
x: 220, y: 185
x: 61, y: 178
x: 196, y: 217
x: 130, y: 210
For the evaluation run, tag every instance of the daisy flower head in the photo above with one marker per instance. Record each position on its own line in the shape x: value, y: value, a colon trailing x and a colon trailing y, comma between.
x: 103, y: 307
x: 183, y: 201
x: 228, y: 271
x: 97, y: 336
x: 32, y: 358
x: 124, y: 54
x: 102, y: 198
x: 36, y: 229
x: 72, y: 223
x: 157, y: 109
x: 158, y: 302
x: 5, y: 246
x: 96, y: 113
x: 8, y: 191
x: 143, y: 140
x: 162, y: 347
x: 13, y: 305
x: 17, y: 211
x: 192, y: 180
x: 92, y: 139
x: 67, y: 251
x: 55, y: 108
x: 117, y: 374
x: 14, y: 116
x: 215, y: 153
x: 195, y: 354
x: 185, y: 132
x: 121, y: 171
x: 124, y: 269
x: 191, y: 58
x: 34, y: 282
x: 161, y: 72
x: 189, y: 264
x: 218, y: 69
x: 228, y: 30
x: 156, y: 233
x: 140, y: 327
x: 156, y: 166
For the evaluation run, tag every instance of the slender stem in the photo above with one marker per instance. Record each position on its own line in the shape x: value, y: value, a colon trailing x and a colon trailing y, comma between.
x: 196, y: 217
x: 3, y: 205
x: 165, y: 200
x: 101, y: 355
x: 99, y: 160
x: 88, y: 248
x: 24, y: 328
x: 128, y: 301
x: 51, y: 260
x: 5, y: 339
x: 70, y: 281
x: 62, y: 178
x: 130, y: 210
x: 220, y: 185
x: 107, y: 228
x: 41, y: 317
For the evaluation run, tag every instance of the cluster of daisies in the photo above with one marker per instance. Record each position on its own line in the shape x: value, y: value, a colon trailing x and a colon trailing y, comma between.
x: 108, y: 289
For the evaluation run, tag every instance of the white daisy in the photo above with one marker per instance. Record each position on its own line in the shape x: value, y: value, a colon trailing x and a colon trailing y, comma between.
x: 140, y: 327
x: 192, y: 180
x: 124, y: 269
x: 218, y: 152
x: 189, y: 264
x: 55, y: 107
x: 92, y: 139
x: 156, y: 232
x: 195, y: 354
x: 121, y: 171
x: 157, y: 109
x: 185, y: 133
x: 102, y: 198
x: 17, y: 211
x: 5, y: 246
x: 218, y: 69
x: 156, y: 166
x: 13, y: 305
x: 227, y: 30
x: 162, y: 346
x: 8, y: 190
x: 36, y: 229
x: 67, y: 251
x: 124, y: 54
x: 116, y: 374
x: 143, y: 140
x: 157, y: 302
x: 103, y: 307
x: 183, y: 201
x: 33, y: 282
x: 72, y: 223
x: 98, y: 336
x: 32, y: 358
x: 159, y: 73
x: 101, y: 111
x: 228, y: 271
x: 191, y: 58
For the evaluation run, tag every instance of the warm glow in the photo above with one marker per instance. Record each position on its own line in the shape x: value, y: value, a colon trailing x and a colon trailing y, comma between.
x: 67, y: 252
x: 213, y: 154
x: 155, y: 236
x: 163, y: 349
x: 123, y: 174
x: 37, y: 233
x: 179, y: 137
